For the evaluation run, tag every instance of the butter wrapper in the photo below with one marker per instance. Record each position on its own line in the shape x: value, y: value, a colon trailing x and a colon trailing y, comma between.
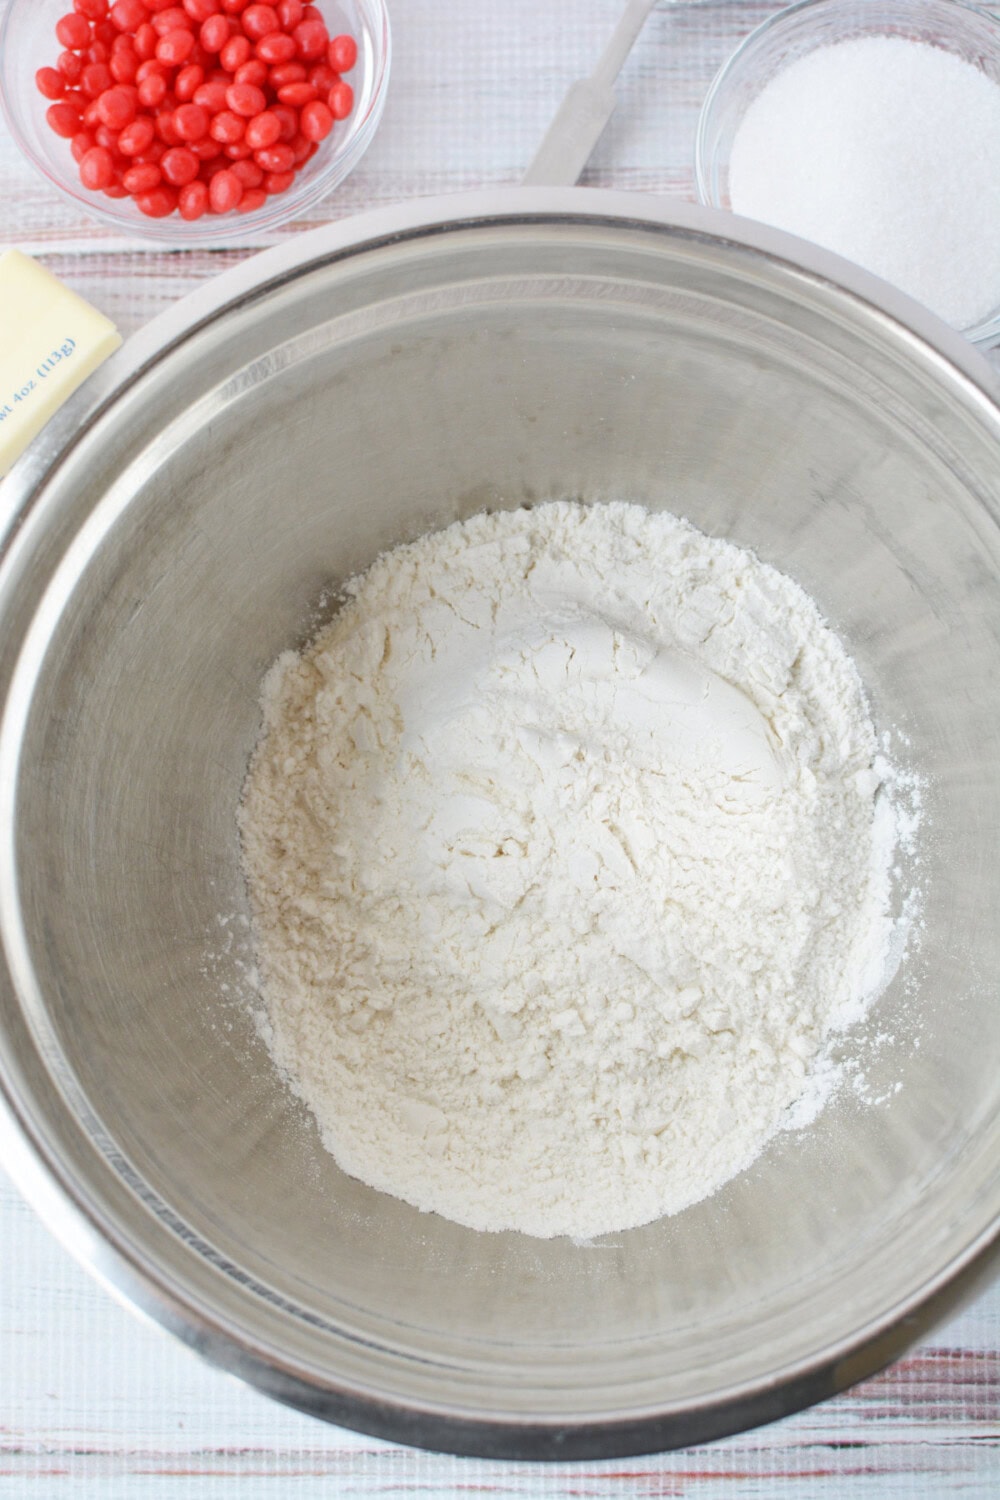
x: 50, y: 341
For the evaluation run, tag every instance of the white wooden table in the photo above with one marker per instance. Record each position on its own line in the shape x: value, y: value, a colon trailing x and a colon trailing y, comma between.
x: 95, y: 1405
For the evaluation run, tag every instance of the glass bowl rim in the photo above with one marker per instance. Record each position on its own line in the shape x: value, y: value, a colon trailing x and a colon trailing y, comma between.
x: 868, y: 18
x: 212, y: 230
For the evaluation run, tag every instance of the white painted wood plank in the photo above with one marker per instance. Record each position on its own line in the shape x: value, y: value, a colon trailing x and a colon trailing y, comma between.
x: 94, y: 1402
x: 473, y: 87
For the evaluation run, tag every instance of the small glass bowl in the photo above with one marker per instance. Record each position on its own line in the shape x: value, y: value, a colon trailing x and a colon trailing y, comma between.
x: 800, y: 29
x: 28, y: 42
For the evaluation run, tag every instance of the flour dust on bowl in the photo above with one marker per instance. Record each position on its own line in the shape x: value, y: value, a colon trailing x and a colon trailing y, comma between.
x: 190, y: 517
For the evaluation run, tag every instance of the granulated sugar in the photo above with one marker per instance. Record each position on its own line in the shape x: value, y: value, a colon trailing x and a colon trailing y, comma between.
x: 884, y: 150
x: 566, y: 851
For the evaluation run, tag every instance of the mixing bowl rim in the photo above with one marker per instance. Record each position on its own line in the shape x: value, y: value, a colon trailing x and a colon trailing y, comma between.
x: 75, y: 1213
x: 117, y: 1268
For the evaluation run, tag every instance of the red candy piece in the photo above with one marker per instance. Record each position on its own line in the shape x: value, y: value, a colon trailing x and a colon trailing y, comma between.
x: 157, y: 203
x: 279, y: 182
x: 50, y: 83
x: 316, y: 121
x: 214, y: 33
x: 165, y: 128
x: 93, y: 10
x: 192, y: 200
x: 171, y: 18
x: 124, y: 66
x: 175, y: 48
x: 137, y: 137
x: 227, y: 127
x: 248, y: 172
x: 259, y: 21
x: 252, y: 198
x: 292, y: 72
x: 116, y: 107
x: 289, y: 120
x: 276, y: 47
x: 301, y: 149
x: 297, y: 94
x: 263, y: 130
x: 81, y: 143
x: 145, y: 41
x: 188, y: 81
x: 152, y: 91
x: 342, y: 53
x: 246, y: 99
x: 341, y: 100
x: 191, y: 122
x: 225, y: 191
x: 287, y: 74
x: 95, y: 79
x: 70, y: 66
x: 179, y: 166
x: 129, y: 15
x: 211, y: 96
x: 97, y: 169
x: 73, y: 31
x: 312, y: 39
x: 280, y: 158
x: 235, y: 53
x: 254, y: 72
x: 322, y: 77
x: 142, y: 178
x: 64, y: 119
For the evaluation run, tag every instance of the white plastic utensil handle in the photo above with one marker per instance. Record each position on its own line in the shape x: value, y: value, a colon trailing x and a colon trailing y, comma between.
x: 587, y: 108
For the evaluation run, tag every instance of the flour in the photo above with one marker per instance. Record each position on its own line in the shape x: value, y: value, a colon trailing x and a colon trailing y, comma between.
x: 566, y: 852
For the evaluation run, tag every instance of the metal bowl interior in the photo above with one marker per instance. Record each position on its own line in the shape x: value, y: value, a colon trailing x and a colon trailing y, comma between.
x: 182, y: 524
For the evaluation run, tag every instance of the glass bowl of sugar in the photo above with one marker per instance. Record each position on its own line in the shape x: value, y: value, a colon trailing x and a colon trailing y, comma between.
x: 872, y: 128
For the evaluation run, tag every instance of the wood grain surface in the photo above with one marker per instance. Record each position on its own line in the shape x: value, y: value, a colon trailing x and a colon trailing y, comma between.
x: 96, y: 1405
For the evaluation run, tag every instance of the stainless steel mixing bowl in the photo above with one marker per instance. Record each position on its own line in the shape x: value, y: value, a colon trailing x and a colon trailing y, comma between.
x: 181, y: 524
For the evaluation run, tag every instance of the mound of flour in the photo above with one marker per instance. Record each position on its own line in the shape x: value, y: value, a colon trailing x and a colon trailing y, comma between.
x: 564, y: 856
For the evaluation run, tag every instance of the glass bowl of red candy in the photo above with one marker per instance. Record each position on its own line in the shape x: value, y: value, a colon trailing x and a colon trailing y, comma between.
x: 194, y: 120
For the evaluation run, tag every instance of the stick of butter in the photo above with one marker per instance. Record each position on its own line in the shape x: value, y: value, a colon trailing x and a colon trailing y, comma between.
x: 50, y: 341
